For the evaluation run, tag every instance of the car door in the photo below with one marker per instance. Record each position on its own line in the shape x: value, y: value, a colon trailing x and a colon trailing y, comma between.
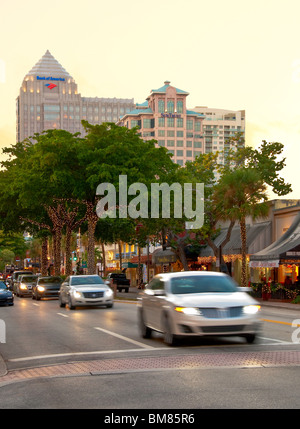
x: 64, y: 290
x: 148, y: 302
x: 158, y: 303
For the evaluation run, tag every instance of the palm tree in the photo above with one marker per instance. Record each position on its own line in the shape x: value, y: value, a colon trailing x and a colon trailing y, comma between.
x: 241, y: 193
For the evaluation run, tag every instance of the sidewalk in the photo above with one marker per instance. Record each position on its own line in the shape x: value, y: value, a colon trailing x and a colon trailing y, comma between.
x: 3, y: 370
x: 278, y: 304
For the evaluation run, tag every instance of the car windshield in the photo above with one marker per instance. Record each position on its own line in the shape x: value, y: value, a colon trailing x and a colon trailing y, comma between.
x: 46, y: 280
x: 28, y: 279
x: 202, y: 284
x: 17, y: 275
x: 86, y: 280
x: 3, y: 285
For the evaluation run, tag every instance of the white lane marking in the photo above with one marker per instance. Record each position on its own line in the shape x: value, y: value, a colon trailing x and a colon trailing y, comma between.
x: 124, y: 338
x: 273, y: 339
x: 103, y: 352
x: 62, y: 314
x: 34, y: 303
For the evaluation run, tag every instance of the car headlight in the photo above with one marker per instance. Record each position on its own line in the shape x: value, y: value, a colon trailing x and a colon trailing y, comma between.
x: 109, y: 293
x: 23, y: 286
x: 191, y: 311
x: 41, y: 288
x: 251, y: 309
x: 77, y: 294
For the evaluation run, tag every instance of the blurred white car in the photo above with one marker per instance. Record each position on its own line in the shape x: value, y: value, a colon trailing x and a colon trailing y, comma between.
x: 197, y: 303
x: 85, y: 290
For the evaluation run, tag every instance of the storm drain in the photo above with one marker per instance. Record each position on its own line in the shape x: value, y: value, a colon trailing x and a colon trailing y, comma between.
x: 182, y: 362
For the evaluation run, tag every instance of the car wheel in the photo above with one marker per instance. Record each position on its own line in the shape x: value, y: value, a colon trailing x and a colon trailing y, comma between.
x: 109, y: 305
x: 61, y: 304
x: 145, y: 331
x: 71, y: 306
x: 250, y: 338
x: 169, y: 338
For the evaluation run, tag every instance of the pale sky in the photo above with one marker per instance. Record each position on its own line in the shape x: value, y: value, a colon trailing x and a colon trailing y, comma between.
x: 229, y: 54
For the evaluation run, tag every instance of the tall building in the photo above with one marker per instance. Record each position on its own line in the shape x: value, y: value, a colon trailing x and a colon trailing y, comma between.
x: 164, y: 116
x: 219, y: 125
x: 49, y: 99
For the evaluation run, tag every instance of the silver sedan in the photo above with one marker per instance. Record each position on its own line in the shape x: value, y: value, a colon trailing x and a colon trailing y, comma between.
x: 85, y: 290
x: 197, y: 303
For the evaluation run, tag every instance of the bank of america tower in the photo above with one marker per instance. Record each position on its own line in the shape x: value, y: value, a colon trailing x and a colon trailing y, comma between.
x: 49, y: 99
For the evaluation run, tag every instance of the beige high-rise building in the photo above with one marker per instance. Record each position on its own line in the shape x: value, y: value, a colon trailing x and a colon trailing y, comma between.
x: 49, y: 99
x: 219, y: 125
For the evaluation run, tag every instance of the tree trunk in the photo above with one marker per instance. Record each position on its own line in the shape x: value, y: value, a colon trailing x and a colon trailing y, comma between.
x: 57, y: 251
x: 182, y: 257
x: 120, y: 254
x: 44, y: 267
x: 103, y: 259
x: 68, y: 251
x: 244, y: 248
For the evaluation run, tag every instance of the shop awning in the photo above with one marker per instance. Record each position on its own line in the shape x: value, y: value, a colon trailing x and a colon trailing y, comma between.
x: 284, y: 250
x: 257, y: 237
x: 129, y: 265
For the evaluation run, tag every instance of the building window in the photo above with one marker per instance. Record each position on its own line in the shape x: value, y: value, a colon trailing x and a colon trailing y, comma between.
x: 52, y: 108
x: 197, y: 126
x: 179, y: 152
x: 197, y: 144
x: 134, y: 123
x: 170, y: 143
x: 161, y: 142
x: 170, y: 122
x: 189, y: 124
x: 179, y: 143
x: 147, y: 123
x: 161, y: 122
x: 161, y: 106
x: 189, y: 143
x: 179, y: 133
x: 170, y: 106
x: 180, y: 122
x: 179, y: 106
x: 161, y: 133
x: 189, y: 154
x: 171, y: 133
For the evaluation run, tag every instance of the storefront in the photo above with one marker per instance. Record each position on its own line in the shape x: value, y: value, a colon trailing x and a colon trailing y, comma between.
x: 257, y: 236
x: 280, y: 261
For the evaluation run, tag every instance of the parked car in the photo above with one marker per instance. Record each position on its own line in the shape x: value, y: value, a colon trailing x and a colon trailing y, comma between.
x: 121, y: 281
x: 85, y: 290
x: 6, y: 296
x: 189, y: 304
x: 15, y: 279
x: 25, y: 284
x: 46, y: 287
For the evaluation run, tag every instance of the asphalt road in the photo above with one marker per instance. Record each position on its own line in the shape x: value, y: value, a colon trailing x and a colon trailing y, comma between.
x: 94, y: 358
